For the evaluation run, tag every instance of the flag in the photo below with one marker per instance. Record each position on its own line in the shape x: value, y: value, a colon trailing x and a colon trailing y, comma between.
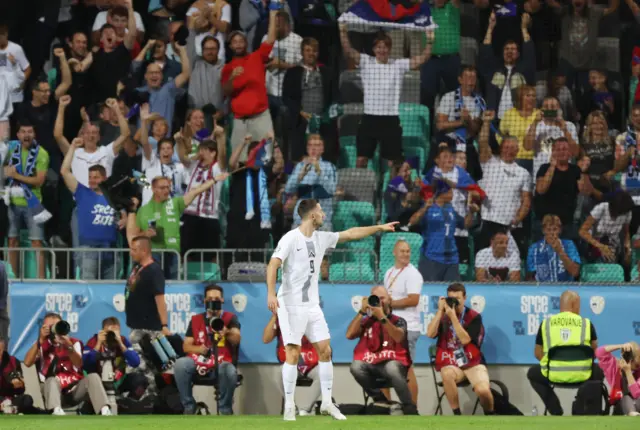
x: 202, y: 134
x: 507, y: 9
x: 460, y: 178
x: 260, y: 155
x: 390, y: 13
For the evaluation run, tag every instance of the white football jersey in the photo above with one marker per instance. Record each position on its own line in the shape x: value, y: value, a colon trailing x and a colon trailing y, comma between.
x: 301, y: 258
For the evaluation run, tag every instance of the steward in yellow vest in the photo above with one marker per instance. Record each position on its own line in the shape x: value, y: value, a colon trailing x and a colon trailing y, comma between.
x: 565, y: 329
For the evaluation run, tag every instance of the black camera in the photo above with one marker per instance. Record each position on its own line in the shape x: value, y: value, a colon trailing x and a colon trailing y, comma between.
x: 452, y: 302
x: 16, y: 374
x: 112, y: 339
x: 216, y: 324
x: 214, y: 305
x: 627, y: 356
x: 373, y: 301
x: 61, y: 328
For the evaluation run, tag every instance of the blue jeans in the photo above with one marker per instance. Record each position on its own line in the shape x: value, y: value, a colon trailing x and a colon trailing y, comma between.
x: 169, y: 265
x: 185, y: 370
x: 97, y: 265
x: 19, y: 216
x: 443, y: 67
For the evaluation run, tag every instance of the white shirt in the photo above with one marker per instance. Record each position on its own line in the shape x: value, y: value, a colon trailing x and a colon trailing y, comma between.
x: 301, y: 258
x: 486, y: 260
x: 101, y: 19
x: 506, y: 98
x: 16, y: 50
x: 153, y: 168
x: 607, y: 226
x: 206, y: 204
x: 399, y: 284
x: 382, y: 83
x: 447, y: 106
x: 504, y: 184
x: 287, y: 50
x: 545, y: 135
x: 82, y: 160
x: 225, y: 16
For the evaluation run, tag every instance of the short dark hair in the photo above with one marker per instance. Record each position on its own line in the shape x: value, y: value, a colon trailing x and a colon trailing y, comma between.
x: 144, y: 239
x: 284, y: 15
x: 209, y: 144
x: 209, y: 38
x: 52, y: 315
x: 36, y: 84
x: 119, y: 11
x: 501, y: 230
x: 306, y: 206
x: 214, y: 287
x: 24, y: 122
x: 457, y: 287
x: 510, y: 42
x: 4, y: 28
x: 110, y: 321
x: 98, y: 168
x: 560, y: 139
x: 382, y: 37
x: 468, y: 68
x: 309, y: 41
x: 105, y: 27
x: 163, y: 141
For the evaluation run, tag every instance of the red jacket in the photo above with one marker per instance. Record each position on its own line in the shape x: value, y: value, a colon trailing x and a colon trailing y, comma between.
x: 55, y: 362
x: 447, y: 344
x: 376, y: 346
x: 201, y: 336
x: 8, y: 364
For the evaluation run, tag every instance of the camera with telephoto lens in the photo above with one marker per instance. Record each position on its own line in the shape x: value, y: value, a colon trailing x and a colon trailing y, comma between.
x: 216, y: 324
x: 627, y: 356
x: 16, y: 374
x: 373, y: 301
x: 112, y: 339
x: 61, y: 328
x: 452, y: 302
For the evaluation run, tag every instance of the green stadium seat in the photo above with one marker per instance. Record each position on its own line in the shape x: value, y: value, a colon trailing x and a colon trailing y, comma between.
x: 602, y: 272
x: 349, y: 155
x: 203, y: 271
x: 358, y: 252
x: 389, y: 241
x: 353, y: 214
x: 9, y: 270
x: 414, y: 119
x: 351, y: 272
x: 347, y: 141
x: 634, y: 273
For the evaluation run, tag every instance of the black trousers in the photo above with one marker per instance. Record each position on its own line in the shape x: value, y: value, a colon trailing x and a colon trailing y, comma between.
x: 544, y: 389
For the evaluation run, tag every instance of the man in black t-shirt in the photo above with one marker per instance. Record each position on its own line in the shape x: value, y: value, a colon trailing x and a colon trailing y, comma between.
x: 558, y: 184
x: 145, y: 308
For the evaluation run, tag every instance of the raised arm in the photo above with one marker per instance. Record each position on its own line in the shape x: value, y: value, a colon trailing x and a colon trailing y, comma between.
x: 132, y: 228
x: 65, y: 71
x: 530, y: 137
x: 357, y: 233
x: 184, y: 76
x: 58, y: 129
x: 193, y: 193
x: 422, y: 58
x: 132, y: 29
x: 485, y: 132
x: 221, y: 140
x: 125, y: 131
x: 348, y: 50
x: 235, y: 155
x: 613, y: 6
x: 146, y: 119
x: 69, y: 179
x: 143, y: 53
x: 271, y: 32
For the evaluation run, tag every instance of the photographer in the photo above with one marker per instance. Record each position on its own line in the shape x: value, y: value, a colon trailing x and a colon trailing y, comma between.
x: 459, y: 333
x: 58, y: 359
x: 224, y: 328
x: 382, y: 349
x: 623, y: 376
x: 12, y: 383
x: 307, y: 365
x: 110, y: 345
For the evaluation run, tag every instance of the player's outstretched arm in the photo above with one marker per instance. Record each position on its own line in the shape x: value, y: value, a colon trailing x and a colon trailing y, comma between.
x: 272, y: 276
x: 357, y: 233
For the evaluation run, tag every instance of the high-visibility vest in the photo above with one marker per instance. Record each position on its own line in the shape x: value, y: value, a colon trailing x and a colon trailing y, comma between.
x: 566, y: 329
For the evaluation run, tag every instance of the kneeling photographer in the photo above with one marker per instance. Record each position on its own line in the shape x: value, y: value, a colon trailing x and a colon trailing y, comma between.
x: 214, y: 334
x: 382, y: 350
x: 58, y: 360
x: 108, y: 354
x: 623, y: 376
x: 12, y: 396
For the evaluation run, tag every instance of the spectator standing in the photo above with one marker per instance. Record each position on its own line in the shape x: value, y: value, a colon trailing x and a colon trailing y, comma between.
x: 567, y: 328
x: 553, y: 259
x: 517, y: 121
x: 627, y: 145
x: 118, y: 16
x: 155, y: 52
x: 112, y: 58
x: 499, y: 262
x: 382, y: 80
x: 382, y: 350
x: 558, y: 184
x: 308, y: 90
x: 11, y: 79
x: 508, y: 75
x: 162, y: 97
x: 556, y: 86
x: 313, y: 178
x: 26, y: 172
x: 255, y: 20
x: 80, y: 60
x: 439, y: 253
x: 599, y: 96
x: 402, y: 196
x: 4, y: 301
x: 508, y: 188
x: 459, y: 334
x: 459, y: 112
x: 606, y: 229
x: 97, y: 221
x: 580, y: 22
x: 547, y: 127
x: 206, y: 72
x: 9, y: 48
x: 600, y: 147
x: 403, y: 283
x: 243, y: 82
x: 210, y: 19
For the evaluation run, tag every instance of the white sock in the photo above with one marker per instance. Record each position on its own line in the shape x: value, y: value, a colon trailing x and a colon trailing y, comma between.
x: 326, y: 380
x: 289, y: 378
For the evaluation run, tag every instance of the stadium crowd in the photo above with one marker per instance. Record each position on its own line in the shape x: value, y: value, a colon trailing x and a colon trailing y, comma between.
x: 503, y: 141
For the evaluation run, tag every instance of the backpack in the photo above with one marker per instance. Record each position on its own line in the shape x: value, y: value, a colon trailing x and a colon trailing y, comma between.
x: 589, y: 399
x: 501, y: 405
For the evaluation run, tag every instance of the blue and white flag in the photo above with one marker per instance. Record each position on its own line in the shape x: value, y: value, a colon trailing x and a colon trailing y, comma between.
x: 405, y: 14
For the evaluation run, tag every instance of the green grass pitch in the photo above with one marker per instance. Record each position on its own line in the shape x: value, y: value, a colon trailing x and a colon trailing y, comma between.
x: 159, y: 422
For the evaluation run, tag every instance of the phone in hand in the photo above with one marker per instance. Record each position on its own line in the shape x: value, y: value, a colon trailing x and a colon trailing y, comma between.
x: 550, y: 113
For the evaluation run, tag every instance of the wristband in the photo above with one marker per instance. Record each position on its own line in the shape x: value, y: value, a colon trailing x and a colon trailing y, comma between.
x: 164, y: 325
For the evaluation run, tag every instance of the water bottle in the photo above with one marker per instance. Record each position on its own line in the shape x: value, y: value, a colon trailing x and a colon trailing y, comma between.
x: 534, y: 411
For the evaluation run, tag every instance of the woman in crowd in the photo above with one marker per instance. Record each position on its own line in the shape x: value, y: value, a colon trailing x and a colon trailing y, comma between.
x: 623, y: 376
x: 517, y: 120
x: 600, y: 148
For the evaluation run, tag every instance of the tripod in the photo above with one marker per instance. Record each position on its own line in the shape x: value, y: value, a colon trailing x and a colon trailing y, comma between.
x: 216, y: 370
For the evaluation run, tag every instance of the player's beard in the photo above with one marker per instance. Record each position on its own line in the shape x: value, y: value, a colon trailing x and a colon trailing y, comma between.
x: 317, y: 223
